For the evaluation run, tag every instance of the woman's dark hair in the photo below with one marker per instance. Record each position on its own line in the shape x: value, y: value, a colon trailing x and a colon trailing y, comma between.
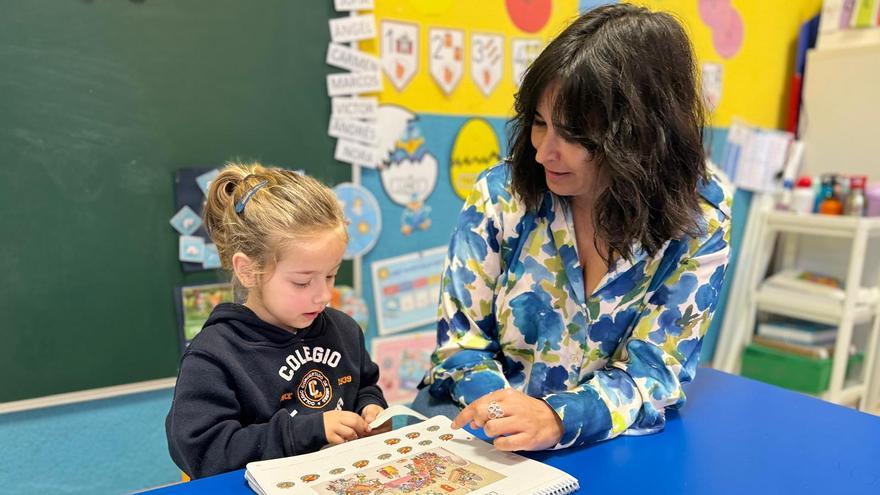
x: 627, y: 92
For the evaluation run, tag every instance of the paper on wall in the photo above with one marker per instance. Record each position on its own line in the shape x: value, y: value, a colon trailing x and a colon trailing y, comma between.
x: 352, y: 83
x: 350, y: 59
x: 356, y: 154
x: 487, y: 61
x: 403, y: 360
x: 399, y: 52
x: 522, y: 53
x: 355, y: 107
x: 349, y: 5
x: 447, y: 57
x: 353, y: 28
x: 191, y: 248
x: 355, y: 130
x: 406, y: 289
x: 711, y: 83
x: 186, y: 221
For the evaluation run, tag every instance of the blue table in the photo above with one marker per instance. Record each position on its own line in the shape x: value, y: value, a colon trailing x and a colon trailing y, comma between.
x: 735, y: 436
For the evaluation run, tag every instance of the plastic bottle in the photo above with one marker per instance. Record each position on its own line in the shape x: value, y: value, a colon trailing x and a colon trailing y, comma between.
x: 831, y: 203
x: 872, y: 195
x: 783, y: 196
x: 803, y: 198
x: 855, y: 201
x: 826, y: 190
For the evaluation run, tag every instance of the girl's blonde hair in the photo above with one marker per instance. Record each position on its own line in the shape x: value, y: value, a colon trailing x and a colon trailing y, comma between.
x: 259, y: 211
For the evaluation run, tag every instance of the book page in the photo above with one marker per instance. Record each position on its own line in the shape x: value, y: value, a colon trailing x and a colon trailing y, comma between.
x: 428, y: 458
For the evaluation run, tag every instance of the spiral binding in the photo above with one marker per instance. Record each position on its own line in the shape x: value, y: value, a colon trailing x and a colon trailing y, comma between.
x: 563, y: 487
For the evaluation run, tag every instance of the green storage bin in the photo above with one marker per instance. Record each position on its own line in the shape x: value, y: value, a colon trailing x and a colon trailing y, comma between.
x: 787, y: 370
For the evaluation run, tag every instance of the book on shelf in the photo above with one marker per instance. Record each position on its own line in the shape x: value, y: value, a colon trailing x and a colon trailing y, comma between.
x: 823, y: 351
x: 807, y: 283
x: 424, y: 458
x: 797, y: 331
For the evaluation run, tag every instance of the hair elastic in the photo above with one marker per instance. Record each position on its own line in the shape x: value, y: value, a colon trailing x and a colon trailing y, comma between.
x: 239, y: 206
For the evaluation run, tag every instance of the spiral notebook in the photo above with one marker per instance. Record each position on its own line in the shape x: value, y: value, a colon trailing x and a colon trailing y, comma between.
x: 426, y: 458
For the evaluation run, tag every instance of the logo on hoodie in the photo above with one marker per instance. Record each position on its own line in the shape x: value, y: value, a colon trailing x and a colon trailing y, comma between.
x: 314, y: 390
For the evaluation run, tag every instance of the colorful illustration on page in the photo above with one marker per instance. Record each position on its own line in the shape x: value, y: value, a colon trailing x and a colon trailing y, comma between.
x: 432, y: 472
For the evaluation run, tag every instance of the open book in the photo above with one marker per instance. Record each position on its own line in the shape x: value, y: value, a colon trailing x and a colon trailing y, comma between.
x: 421, y: 459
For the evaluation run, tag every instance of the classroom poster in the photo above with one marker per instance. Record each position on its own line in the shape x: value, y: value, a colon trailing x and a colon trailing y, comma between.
x: 403, y: 361
x: 195, y: 303
x: 406, y: 289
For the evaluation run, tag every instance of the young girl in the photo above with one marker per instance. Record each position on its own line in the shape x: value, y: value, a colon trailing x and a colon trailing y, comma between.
x: 281, y: 374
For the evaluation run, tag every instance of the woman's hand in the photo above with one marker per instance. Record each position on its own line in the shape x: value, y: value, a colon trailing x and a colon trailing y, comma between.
x: 369, y: 413
x: 521, y: 422
x: 342, y: 426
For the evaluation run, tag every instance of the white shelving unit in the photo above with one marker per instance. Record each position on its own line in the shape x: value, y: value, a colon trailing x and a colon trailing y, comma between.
x: 844, y: 314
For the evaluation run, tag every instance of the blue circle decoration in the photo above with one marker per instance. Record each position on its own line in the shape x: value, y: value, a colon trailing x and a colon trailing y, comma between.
x: 363, y: 215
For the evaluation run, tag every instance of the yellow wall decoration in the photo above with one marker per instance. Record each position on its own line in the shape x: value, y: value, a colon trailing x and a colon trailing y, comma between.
x: 422, y: 94
x: 476, y: 148
x: 756, y: 78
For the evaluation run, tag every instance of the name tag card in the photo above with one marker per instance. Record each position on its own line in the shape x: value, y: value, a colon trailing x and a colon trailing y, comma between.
x: 354, y: 28
x: 357, y: 154
x: 354, y: 83
x: 347, y: 5
x: 350, y: 59
x: 356, y: 108
x: 355, y: 130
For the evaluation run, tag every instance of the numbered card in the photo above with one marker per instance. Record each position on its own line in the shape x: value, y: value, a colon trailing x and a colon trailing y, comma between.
x: 400, y: 52
x: 522, y: 53
x: 487, y: 61
x: 446, y: 57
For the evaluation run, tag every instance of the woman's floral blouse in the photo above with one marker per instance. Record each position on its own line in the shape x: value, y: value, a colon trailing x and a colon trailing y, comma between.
x: 513, y: 314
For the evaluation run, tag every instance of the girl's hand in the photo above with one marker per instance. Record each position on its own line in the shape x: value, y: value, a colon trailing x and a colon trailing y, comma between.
x: 342, y: 426
x: 369, y: 413
x: 520, y: 422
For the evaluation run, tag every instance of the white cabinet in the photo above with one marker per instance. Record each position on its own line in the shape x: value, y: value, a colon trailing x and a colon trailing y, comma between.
x: 845, y: 314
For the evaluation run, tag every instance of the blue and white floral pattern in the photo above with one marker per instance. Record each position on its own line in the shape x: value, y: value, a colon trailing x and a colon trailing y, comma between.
x: 513, y: 313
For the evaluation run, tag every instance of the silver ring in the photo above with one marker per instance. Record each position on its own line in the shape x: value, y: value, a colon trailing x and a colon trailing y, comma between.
x: 495, y: 411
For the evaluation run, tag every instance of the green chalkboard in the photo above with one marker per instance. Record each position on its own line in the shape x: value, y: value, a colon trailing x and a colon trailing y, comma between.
x: 100, y: 103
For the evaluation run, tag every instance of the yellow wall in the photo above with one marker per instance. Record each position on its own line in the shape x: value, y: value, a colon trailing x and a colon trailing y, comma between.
x: 755, y: 82
x: 756, y: 79
x: 422, y: 95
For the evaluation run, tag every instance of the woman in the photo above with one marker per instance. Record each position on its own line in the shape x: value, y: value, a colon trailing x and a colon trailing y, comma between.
x: 584, y: 271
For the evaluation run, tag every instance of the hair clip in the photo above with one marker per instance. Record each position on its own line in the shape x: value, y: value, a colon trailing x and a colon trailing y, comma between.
x: 239, y: 206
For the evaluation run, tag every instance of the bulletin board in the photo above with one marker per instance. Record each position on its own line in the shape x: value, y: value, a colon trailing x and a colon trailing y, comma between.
x: 439, y: 134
